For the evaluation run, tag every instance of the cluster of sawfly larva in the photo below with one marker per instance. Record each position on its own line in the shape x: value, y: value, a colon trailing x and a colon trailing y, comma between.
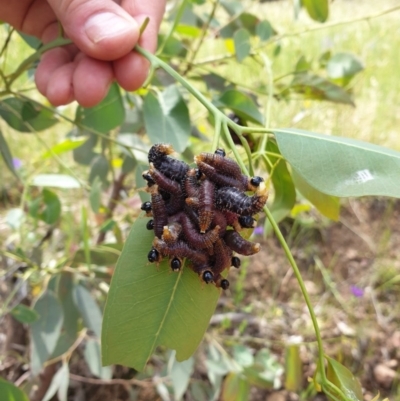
x: 197, y: 213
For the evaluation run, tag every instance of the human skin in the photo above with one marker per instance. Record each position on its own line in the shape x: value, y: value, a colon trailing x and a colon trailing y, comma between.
x: 104, y: 33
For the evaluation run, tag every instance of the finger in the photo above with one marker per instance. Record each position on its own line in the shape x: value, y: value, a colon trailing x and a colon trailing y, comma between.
x: 131, y: 70
x: 100, y: 28
x: 91, y: 81
x: 60, y: 89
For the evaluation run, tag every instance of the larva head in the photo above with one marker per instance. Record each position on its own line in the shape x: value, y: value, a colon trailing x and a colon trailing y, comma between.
x: 220, y: 152
x: 146, y: 206
x: 146, y: 176
x: 150, y: 225
x: 175, y: 264
x: 153, y: 256
x: 224, y: 284
x: 256, y: 181
x: 236, y: 262
x: 247, y: 222
x: 208, y: 277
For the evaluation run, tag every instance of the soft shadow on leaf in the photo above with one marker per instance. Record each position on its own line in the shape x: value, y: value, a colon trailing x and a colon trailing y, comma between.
x: 341, y: 166
x: 327, y: 205
x: 149, y: 306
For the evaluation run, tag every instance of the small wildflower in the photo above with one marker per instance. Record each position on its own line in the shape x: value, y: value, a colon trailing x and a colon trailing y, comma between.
x: 17, y: 163
x: 357, y: 291
x: 259, y: 230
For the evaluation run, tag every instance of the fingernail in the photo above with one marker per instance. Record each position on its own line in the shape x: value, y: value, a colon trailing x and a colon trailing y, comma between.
x: 106, y: 25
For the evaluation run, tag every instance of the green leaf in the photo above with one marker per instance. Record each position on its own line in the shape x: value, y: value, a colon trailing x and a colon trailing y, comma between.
x: 64, y: 146
x: 243, y: 355
x: 341, y: 166
x: 100, y: 256
x: 69, y: 331
x: 318, y: 10
x: 342, y: 378
x: 188, y: 30
x: 235, y: 388
x: 95, y: 195
x: 104, y: 117
x: 59, y: 384
x: 99, y: 169
x: 32, y: 41
x: 6, y: 154
x: 24, y: 314
x: 11, y: 393
x: 52, y: 210
x: 318, y: 88
x: 327, y: 205
x: 174, y: 48
x: 26, y: 116
x: 284, y: 190
x: 241, y: 39
x: 180, y: 376
x: 90, y: 311
x: 232, y: 7
x: 343, y: 66
x: 149, y: 306
x: 84, y: 154
x: 241, y: 104
x: 56, y: 181
x: 293, y: 368
x: 166, y: 117
x: 46, y: 330
x: 92, y: 356
x: 264, y: 30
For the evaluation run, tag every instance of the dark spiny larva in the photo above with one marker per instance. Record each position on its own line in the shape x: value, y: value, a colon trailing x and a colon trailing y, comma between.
x: 237, y: 202
x: 239, y: 244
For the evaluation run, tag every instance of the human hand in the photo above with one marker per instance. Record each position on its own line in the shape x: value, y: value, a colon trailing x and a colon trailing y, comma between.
x: 104, y: 34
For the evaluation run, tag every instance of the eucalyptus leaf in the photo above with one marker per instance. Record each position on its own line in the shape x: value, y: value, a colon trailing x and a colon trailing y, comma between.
x: 241, y: 39
x: 235, y: 387
x: 241, y: 104
x: 26, y: 115
x: 52, y: 207
x: 65, y: 284
x: 264, y: 30
x: 343, y: 66
x: 6, y: 154
x: 318, y: 10
x: 341, y: 166
x: 24, y: 314
x: 88, y: 308
x: 11, y: 392
x: 56, y: 181
x: 99, y: 169
x: 284, y: 190
x: 327, y: 205
x: 149, y: 306
x: 92, y: 356
x: 46, y: 330
x: 59, y: 384
x: 166, y: 118
x: 342, y: 378
x: 180, y: 376
x: 65, y: 146
x: 315, y: 87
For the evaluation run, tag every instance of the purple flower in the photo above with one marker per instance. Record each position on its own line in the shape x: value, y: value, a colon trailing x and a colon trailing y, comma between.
x: 17, y: 163
x: 357, y: 291
x: 258, y: 230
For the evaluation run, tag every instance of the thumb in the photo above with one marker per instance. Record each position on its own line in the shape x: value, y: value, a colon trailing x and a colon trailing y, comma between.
x: 100, y: 28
